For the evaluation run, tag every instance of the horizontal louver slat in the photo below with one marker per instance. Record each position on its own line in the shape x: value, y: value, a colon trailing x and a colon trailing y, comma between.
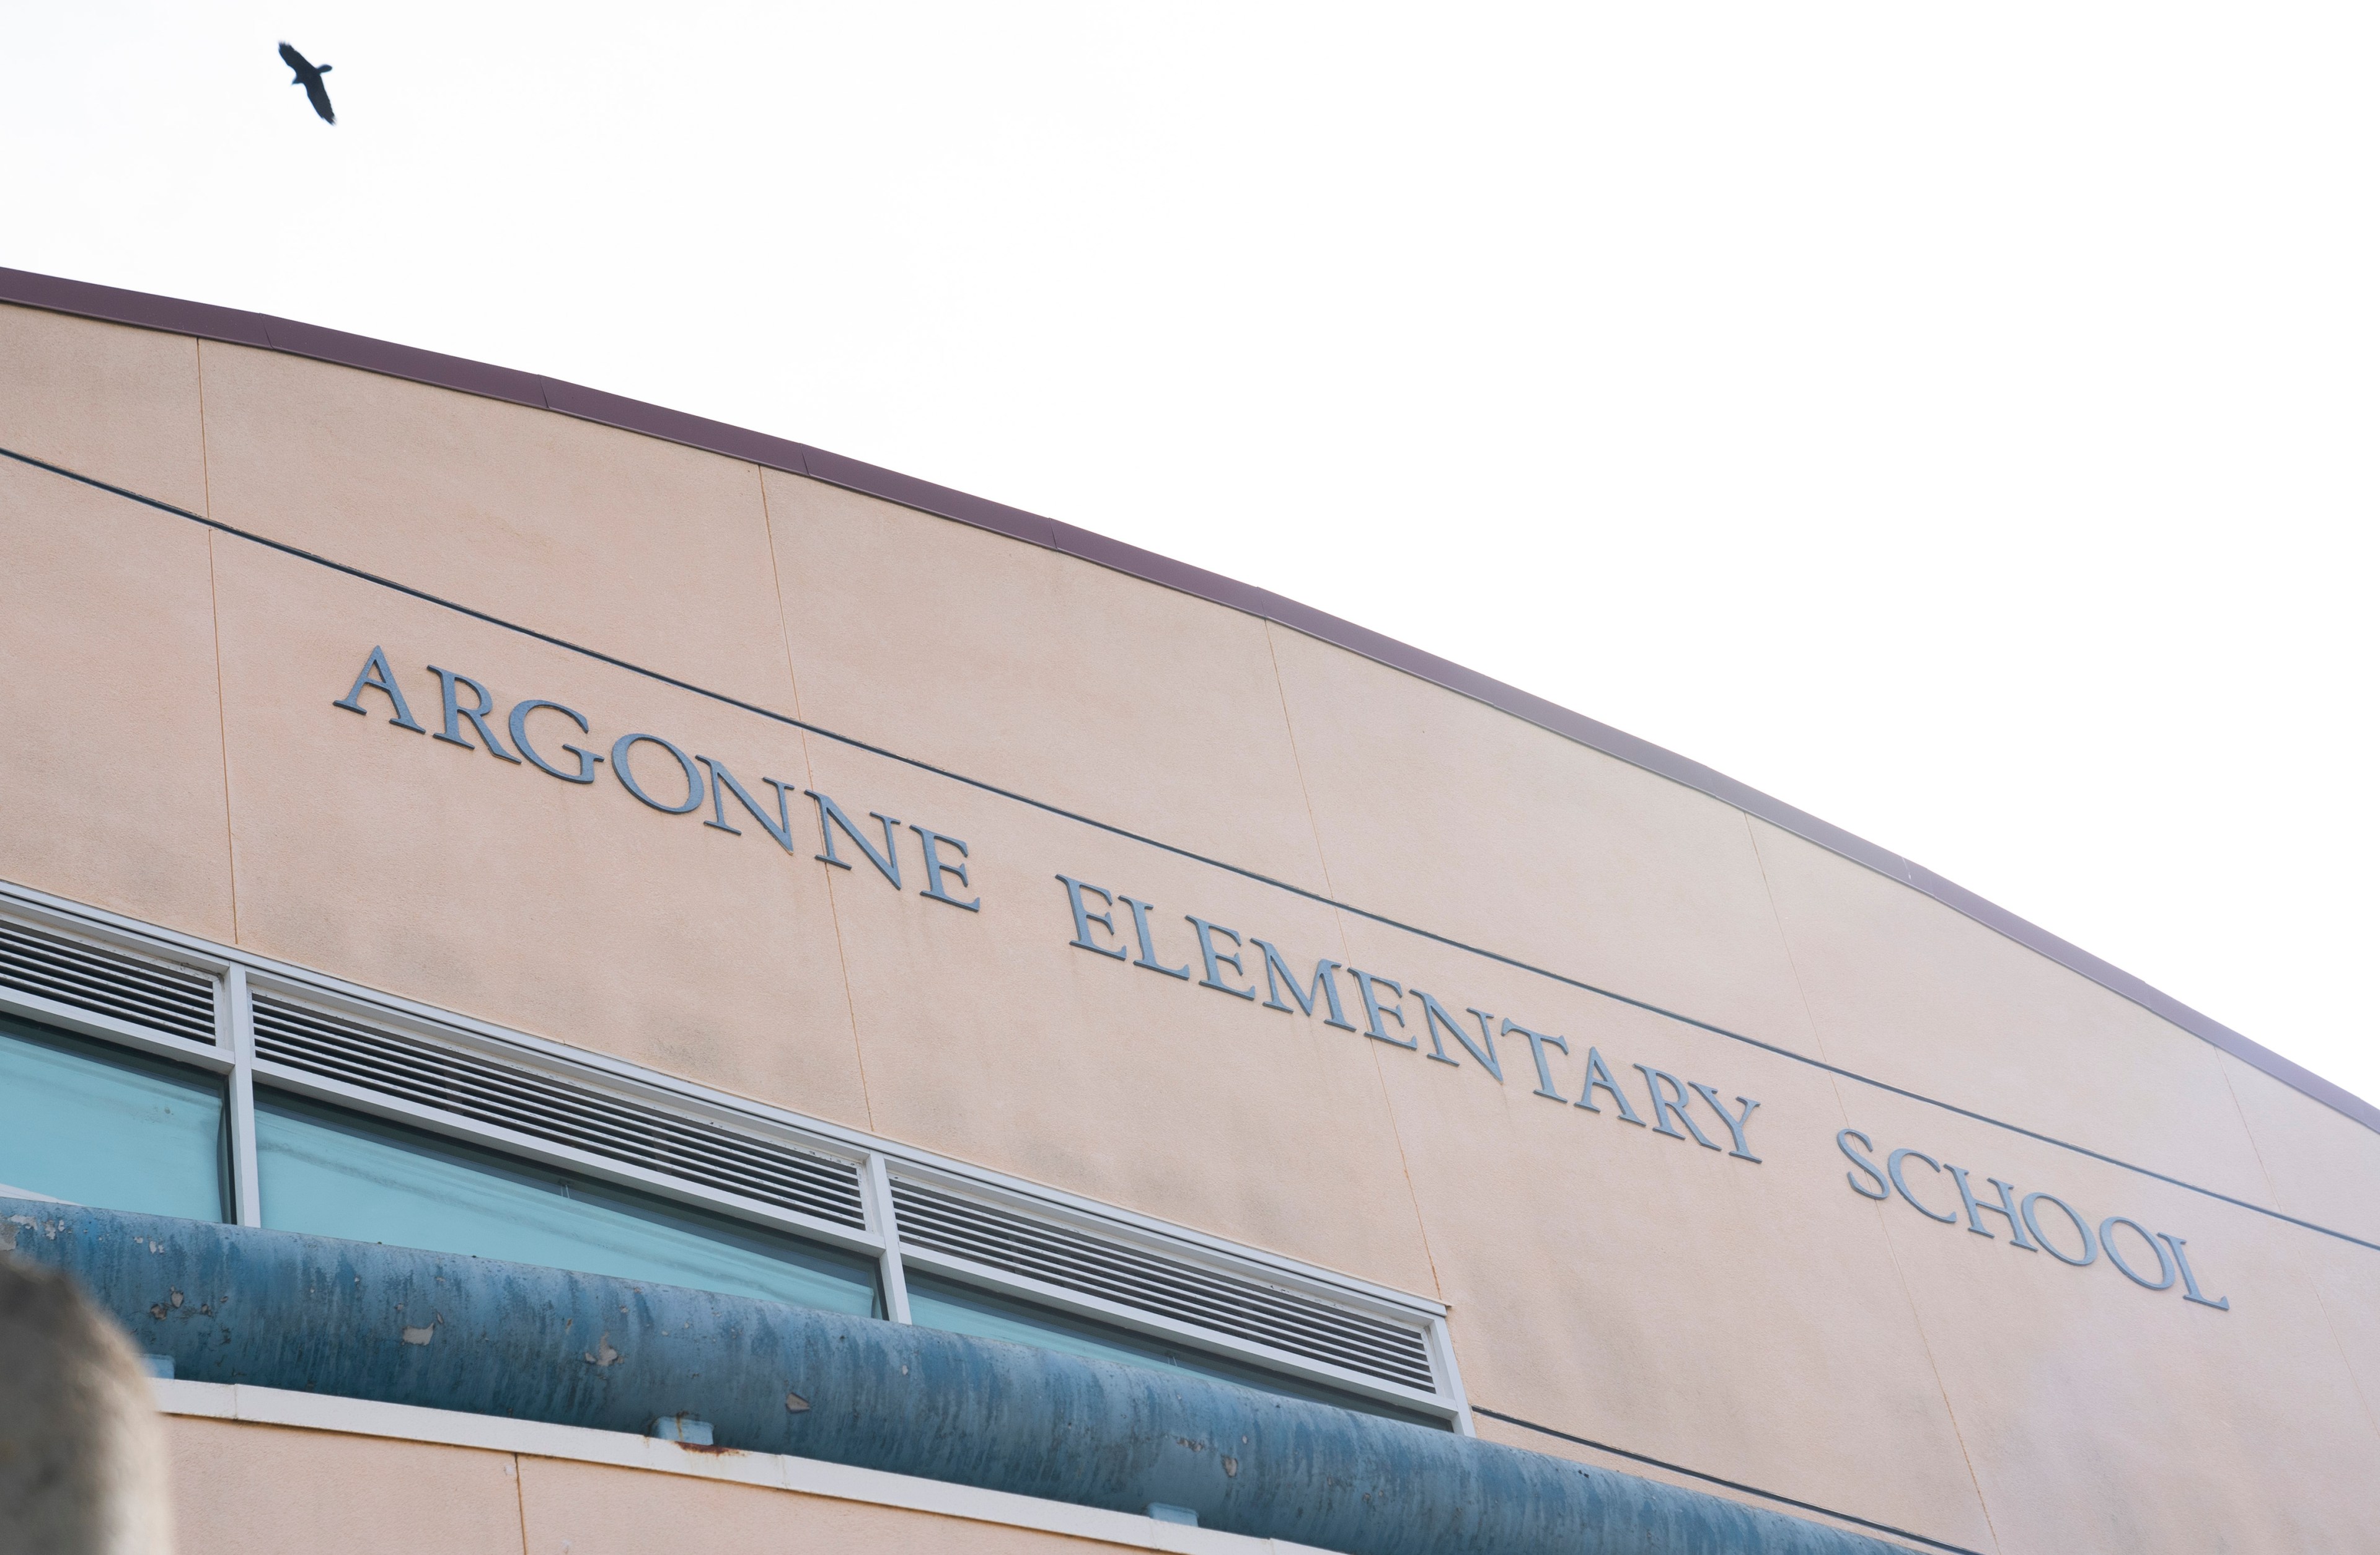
x: 175, y: 1000
x: 1244, y: 1309
x: 1350, y: 1339
x: 346, y: 1055
x: 395, y: 1064
x: 820, y: 1200
x: 1311, y: 1339
x: 71, y: 984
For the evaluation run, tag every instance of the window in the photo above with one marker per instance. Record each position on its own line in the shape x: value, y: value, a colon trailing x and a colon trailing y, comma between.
x: 204, y: 1084
x: 96, y: 1125
x: 334, y: 1173
x: 956, y: 1308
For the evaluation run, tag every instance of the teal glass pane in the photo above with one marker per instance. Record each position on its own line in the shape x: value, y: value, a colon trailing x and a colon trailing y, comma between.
x: 94, y: 1125
x: 334, y: 1173
x: 955, y: 1308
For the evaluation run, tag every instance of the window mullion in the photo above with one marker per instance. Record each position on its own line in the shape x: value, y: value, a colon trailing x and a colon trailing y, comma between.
x: 239, y: 1025
x: 881, y: 1220
x: 1450, y: 1377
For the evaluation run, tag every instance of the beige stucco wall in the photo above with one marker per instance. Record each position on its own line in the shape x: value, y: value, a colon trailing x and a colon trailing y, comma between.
x: 176, y: 757
x: 262, y: 1490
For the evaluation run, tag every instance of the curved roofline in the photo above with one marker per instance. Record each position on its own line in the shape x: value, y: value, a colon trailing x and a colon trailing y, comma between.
x: 234, y: 326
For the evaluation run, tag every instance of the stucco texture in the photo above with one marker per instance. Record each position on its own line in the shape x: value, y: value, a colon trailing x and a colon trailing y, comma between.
x: 176, y: 756
x: 254, y: 1489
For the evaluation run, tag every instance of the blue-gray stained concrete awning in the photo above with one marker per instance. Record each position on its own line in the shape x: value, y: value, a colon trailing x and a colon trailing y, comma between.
x: 229, y: 1304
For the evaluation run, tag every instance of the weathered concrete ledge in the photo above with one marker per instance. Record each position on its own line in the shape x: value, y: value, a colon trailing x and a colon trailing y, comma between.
x: 357, y: 1319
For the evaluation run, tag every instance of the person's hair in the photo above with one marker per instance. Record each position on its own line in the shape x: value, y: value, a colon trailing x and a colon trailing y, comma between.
x: 82, y: 1459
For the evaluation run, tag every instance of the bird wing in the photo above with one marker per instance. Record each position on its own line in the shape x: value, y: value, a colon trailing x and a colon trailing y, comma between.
x: 296, y: 61
x: 321, y: 98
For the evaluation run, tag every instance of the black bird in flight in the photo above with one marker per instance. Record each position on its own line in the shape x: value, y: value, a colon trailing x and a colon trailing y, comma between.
x: 309, y: 75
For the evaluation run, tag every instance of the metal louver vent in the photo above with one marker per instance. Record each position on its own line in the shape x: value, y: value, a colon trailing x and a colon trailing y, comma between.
x: 399, y: 1065
x: 1224, y: 1303
x: 106, y: 982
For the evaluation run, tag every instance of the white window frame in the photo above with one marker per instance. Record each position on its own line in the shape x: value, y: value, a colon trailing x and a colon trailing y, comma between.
x: 239, y: 975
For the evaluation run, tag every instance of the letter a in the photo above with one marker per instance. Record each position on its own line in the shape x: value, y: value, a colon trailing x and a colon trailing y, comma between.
x: 1598, y: 1075
x: 376, y: 676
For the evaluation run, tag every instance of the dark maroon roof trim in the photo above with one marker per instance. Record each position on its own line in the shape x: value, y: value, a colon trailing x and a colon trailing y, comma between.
x: 207, y: 323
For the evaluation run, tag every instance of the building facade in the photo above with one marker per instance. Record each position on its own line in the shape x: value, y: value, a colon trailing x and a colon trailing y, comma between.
x: 456, y: 816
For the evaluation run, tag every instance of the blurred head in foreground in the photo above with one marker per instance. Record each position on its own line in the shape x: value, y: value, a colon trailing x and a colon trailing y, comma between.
x: 82, y: 1461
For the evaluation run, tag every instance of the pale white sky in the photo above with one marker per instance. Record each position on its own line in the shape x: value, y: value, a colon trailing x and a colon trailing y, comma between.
x: 1956, y: 421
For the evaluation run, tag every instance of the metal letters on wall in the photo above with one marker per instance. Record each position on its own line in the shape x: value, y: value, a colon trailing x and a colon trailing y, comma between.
x: 661, y: 775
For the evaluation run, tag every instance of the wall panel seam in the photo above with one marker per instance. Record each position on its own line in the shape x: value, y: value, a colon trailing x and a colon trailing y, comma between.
x: 1112, y: 829
x: 1884, y: 1229
x: 461, y: 376
x: 243, y: 1404
x: 1715, y: 1480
